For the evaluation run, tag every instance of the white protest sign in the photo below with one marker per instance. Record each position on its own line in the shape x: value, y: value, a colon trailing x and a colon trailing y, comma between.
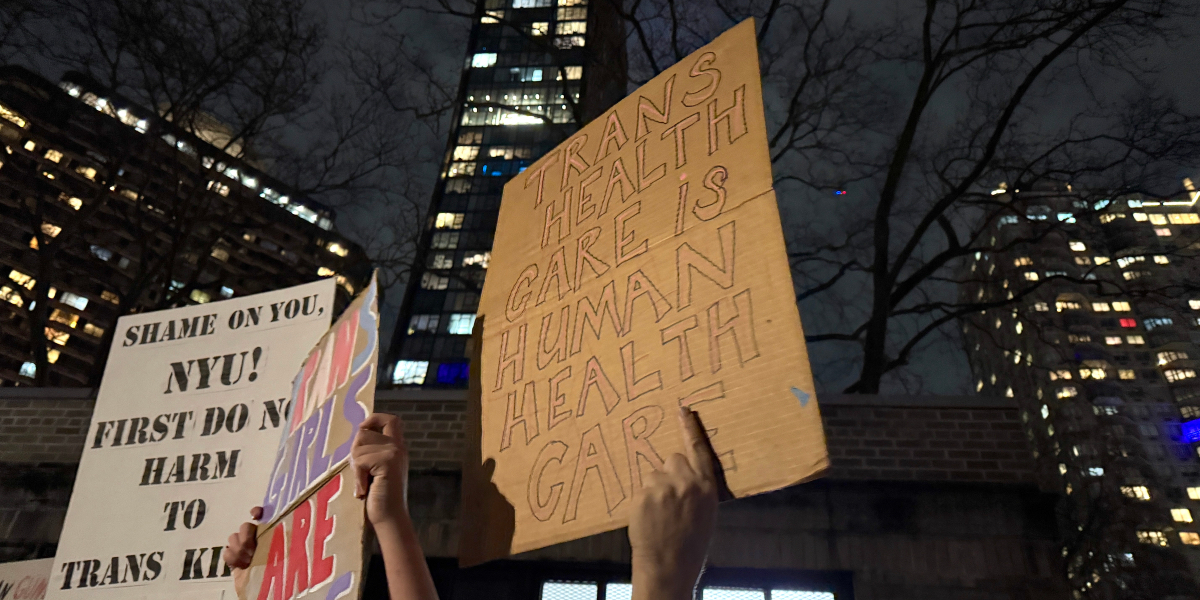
x: 181, y: 444
x: 25, y: 580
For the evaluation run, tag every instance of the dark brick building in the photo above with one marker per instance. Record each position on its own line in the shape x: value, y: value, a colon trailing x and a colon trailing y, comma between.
x: 927, y: 497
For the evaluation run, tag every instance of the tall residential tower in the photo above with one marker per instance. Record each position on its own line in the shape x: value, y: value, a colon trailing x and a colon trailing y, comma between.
x: 1097, y: 336
x: 536, y: 70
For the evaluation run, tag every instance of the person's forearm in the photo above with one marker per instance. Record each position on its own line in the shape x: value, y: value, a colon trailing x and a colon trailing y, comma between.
x: 407, y: 573
x: 659, y: 582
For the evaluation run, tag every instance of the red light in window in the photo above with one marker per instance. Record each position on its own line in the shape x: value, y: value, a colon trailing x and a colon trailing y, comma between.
x: 1127, y: 323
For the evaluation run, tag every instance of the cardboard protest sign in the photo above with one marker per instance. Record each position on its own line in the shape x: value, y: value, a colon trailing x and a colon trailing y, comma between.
x: 25, y: 580
x: 311, y: 540
x: 638, y: 267
x: 186, y: 422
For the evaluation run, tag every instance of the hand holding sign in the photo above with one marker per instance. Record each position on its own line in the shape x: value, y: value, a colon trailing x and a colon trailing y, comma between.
x: 240, y: 550
x: 673, y: 517
x: 380, y: 460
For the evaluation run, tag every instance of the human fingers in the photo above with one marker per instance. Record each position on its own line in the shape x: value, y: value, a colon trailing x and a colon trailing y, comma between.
x: 375, y: 422
x: 256, y: 513
x: 366, y: 438
x: 677, y: 465
x: 699, y: 453
x: 394, y: 428
x: 376, y: 461
x: 232, y: 552
x: 247, y: 535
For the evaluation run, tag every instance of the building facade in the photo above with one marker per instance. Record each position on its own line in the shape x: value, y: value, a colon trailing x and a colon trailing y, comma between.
x: 927, y: 498
x: 1096, y: 333
x: 107, y: 209
x: 535, y: 71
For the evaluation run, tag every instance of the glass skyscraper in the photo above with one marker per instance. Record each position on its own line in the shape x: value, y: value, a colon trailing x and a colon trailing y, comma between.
x: 536, y: 70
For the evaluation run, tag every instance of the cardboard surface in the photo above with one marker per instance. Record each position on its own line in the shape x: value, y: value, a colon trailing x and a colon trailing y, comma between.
x: 639, y: 267
x: 187, y: 419
x: 25, y: 580
x: 316, y: 550
x: 311, y: 489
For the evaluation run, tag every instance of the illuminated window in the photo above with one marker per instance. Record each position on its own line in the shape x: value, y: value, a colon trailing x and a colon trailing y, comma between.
x: 1125, y: 261
x: 1062, y: 305
x: 200, y: 296
x: 71, y: 201
x: 9, y: 115
x: 28, y: 369
x: 57, y: 337
x: 1101, y: 307
x: 11, y: 296
x: 445, y: 240
x: 1183, y: 218
x: 22, y: 279
x: 1067, y: 392
x: 1060, y: 374
x: 75, y: 300
x: 1023, y: 261
x: 466, y: 152
x: 1078, y: 339
x: 1190, y: 538
x: 449, y: 221
x: 1083, y: 260
x: 1105, y: 410
x: 571, y: 28
x: 1157, y: 219
x: 491, y: 17
x: 572, y: 14
x: 979, y: 385
x: 1154, y: 322
x: 1092, y: 374
x: 1031, y: 276
x: 1137, y: 492
x: 88, y: 172
x: 483, y: 60
x: 572, y: 2
x: 110, y: 297
x: 1078, y: 246
x: 1161, y: 260
x: 410, y: 372
x: 93, y: 331
x: 30, y: 145
x: 51, y: 229
x: 1113, y: 340
x: 423, y: 324
x: 1128, y: 323
x: 102, y: 253
x: 1155, y: 538
x: 433, y: 281
x: 1193, y: 492
x: 1181, y: 515
x: 1126, y: 374
x: 479, y: 259
x: 1194, y: 304
x: 570, y: 41
x: 1041, y: 306
x: 53, y: 155
x: 461, y: 324
x: 1190, y: 412
x: 1101, y: 260
x: 1121, y: 306
x: 1131, y: 275
x: 1162, y: 232
x: 441, y: 260
x: 539, y: 28
x: 66, y: 318
x: 1171, y: 356
x: 1174, y: 375
x: 573, y: 73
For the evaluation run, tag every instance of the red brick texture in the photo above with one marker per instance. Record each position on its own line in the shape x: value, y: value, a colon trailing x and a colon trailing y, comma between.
x: 914, y: 443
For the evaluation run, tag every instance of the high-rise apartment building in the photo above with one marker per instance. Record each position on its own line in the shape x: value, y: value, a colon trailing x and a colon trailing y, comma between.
x: 536, y: 70
x: 1096, y: 334
x: 118, y: 210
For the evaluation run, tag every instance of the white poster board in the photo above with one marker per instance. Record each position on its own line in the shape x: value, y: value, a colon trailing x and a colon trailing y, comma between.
x: 181, y: 444
x: 25, y: 580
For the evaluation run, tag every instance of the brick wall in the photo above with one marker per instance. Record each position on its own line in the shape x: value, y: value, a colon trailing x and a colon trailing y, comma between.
x: 967, y: 439
x: 894, y: 438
